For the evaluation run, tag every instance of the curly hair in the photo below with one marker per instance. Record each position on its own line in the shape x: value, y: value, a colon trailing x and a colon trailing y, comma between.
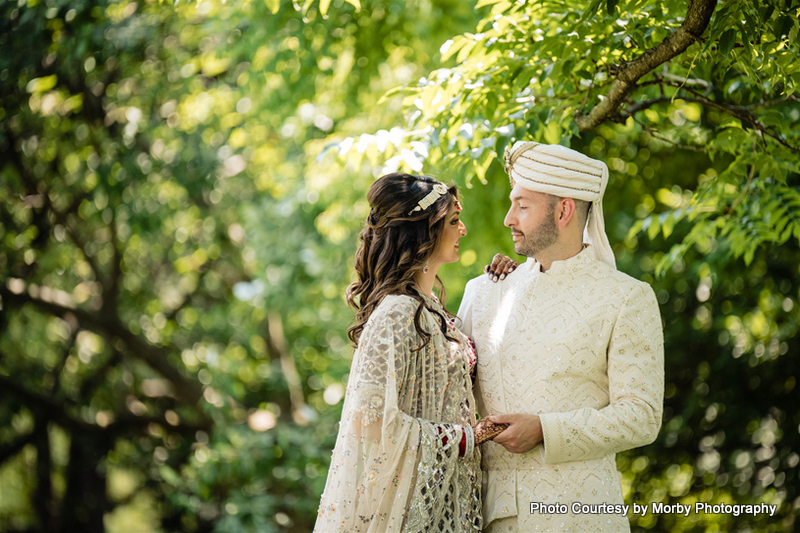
x: 396, y: 243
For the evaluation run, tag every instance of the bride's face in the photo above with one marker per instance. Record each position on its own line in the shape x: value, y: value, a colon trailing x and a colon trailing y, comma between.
x: 454, y: 229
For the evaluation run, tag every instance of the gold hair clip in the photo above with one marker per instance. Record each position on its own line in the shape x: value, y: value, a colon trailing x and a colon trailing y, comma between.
x: 439, y: 189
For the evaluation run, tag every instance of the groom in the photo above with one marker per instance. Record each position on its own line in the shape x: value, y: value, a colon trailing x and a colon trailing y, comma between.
x: 570, y: 354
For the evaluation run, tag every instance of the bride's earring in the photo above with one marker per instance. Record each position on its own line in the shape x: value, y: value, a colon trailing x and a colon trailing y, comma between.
x: 425, y: 270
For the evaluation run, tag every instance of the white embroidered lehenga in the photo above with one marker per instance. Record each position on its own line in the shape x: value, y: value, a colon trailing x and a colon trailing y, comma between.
x: 396, y: 464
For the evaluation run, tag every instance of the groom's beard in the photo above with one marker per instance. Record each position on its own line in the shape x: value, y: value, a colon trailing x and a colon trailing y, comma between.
x: 539, y: 238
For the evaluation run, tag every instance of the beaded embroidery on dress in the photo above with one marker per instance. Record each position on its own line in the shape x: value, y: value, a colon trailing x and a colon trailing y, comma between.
x: 395, y: 466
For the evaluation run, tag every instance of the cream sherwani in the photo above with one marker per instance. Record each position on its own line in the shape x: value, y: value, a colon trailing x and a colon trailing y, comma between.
x: 582, y: 347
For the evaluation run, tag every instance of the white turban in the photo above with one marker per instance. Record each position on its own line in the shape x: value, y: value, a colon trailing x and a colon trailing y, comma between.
x: 560, y: 171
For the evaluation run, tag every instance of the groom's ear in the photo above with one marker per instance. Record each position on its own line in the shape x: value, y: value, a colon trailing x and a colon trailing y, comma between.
x: 565, y: 211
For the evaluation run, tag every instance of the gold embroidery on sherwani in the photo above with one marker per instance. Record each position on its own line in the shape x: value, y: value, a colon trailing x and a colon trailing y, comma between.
x: 582, y: 347
x: 391, y: 470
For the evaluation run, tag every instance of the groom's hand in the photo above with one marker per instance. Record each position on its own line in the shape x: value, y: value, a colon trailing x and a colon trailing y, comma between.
x: 524, y: 433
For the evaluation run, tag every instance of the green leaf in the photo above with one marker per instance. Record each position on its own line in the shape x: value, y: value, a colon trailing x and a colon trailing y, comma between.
x: 611, y: 6
x: 170, y: 476
x: 766, y: 12
x: 726, y: 42
x: 746, y: 34
x: 534, y: 126
x: 730, y: 139
x: 652, y: 230
x: 273, y: 5
x: 589, y: 11
x: 552, y: 132
x: 781, y: 226
x: 788, y: 233
x: 636, y: 228
x: 668, y: 223
x: 451, y: 46
x: 793, y: 32
x: 388, y: 94
x: 546, y: 71
x: 42, y: 85
x: 782, y: 26
x: 748, y: 255
x: 323, y: 6
x: 491, y: 105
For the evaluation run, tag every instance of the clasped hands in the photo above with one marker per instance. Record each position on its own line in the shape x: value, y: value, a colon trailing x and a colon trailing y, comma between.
x: 517, y: 433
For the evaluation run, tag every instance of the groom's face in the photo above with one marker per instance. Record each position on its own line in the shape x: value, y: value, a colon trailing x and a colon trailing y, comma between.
x: 532, y: 220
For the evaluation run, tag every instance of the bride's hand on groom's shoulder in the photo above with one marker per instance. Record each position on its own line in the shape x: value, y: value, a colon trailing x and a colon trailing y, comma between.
x: 501, y: 266
x: 523, y: 434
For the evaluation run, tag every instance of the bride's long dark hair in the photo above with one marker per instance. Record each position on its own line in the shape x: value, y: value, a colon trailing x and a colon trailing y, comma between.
x: 396, y: 245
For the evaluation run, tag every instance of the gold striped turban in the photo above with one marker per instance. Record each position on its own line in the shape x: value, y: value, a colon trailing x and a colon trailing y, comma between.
x: 566, y: 173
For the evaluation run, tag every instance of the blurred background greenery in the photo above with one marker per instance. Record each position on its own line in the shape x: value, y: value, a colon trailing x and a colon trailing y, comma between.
x: 181, y: 187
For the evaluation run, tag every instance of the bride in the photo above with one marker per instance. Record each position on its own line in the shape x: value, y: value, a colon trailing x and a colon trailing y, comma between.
x: 406, y: 456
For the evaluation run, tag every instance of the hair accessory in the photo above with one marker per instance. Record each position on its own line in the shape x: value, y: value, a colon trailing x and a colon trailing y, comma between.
x: 439, y: 189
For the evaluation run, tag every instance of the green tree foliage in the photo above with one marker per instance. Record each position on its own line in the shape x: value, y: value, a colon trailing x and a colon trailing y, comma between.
x: 724, y: 85
x: 181, y: 187
x: 171, y: 313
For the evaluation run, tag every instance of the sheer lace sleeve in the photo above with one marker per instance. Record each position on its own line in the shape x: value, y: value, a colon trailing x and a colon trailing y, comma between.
x: 397, y: 448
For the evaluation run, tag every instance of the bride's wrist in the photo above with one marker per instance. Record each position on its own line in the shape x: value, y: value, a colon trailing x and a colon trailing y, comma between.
x: 467, y: 444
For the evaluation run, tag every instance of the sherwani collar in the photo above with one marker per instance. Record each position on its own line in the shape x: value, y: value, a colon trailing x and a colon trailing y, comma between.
x: 564, y: 266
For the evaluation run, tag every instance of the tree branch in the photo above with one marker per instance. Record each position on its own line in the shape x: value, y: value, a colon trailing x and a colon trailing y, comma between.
x: 746, y: 189
x: 13, y: 448
x: 56, y: 372
x: 740, y: 112
x: 29, y: 183
x: 641, y: 106
x: 124, y: 423
x: 278, y: 349
x: 98, y: 376
x: 46, y: 404
x: 42, y: 498
x: 98, y: 273
x: 189, y: 297
x: 698, y: 16
x: 110, y: 284
x: 686, y: 81
x: 154, y: 357
x: 766, y: 103
x: 653, y: 133
x: 53, y: 409
x: 112, y: 289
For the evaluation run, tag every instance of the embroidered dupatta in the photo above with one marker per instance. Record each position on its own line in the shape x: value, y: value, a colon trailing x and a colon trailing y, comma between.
x: 395, y: 466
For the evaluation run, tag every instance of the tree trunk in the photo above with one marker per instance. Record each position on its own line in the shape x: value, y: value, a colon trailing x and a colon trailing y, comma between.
x: 43, y: 497
x: 85, y: 500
